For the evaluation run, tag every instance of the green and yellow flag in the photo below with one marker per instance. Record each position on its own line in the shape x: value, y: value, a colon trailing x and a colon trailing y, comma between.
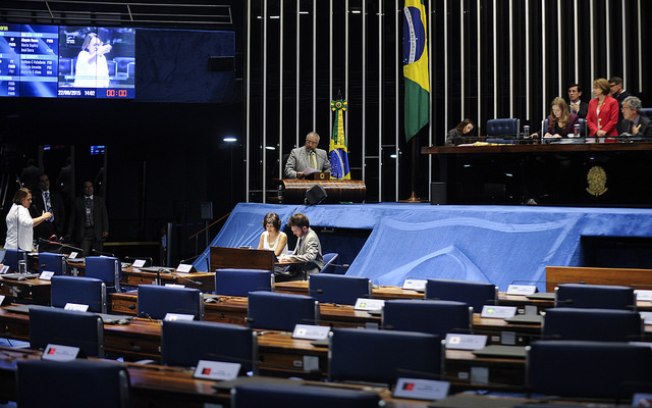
x: 415, y: 67
x: 338, y: 153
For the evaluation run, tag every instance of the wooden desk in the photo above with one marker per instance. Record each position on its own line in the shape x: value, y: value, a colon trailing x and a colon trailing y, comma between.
x: 636, y: 278
x: 241, y: 258
x: 294, y: 190
x: 34, y: 291
x: 204, y: 281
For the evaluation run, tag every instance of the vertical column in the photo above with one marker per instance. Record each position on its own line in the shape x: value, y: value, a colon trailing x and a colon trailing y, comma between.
x: 280, y: 90
x: 527, y: 59
x: 398, y: 66
x: 264, y: 120
x: 380, y: 99
x: 544, y: 62
x: 297, y: 96
x: 495, y: 56
x: 248, y: 100
x: 364, y: 90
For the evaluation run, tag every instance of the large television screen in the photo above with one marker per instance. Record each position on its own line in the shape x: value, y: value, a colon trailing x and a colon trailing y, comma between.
x: 67, y: 61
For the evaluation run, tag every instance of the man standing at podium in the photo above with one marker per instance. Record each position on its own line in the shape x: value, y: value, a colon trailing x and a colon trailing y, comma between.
x: 308, y: 159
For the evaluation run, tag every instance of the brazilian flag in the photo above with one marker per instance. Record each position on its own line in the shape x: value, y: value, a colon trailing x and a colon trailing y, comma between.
x: 337, y: 152
x: 415, y: 67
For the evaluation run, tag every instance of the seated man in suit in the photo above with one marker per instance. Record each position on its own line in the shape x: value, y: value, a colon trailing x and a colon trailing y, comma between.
x: 307, y: 159
x: 307, y: 250
x: 633, y: 124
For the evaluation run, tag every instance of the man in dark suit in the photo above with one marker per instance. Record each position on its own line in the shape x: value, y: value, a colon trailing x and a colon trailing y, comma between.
x: 44, y: 199
x: 89, y: 220
x: 307, y: 159
x: 617, y: 91
x: 633, y: 124
x: 575, y: 102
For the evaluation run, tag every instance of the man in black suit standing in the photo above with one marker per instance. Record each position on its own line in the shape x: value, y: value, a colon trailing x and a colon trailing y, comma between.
x: 89, y: 221
x: 575, y: 102
x: 44, y: 199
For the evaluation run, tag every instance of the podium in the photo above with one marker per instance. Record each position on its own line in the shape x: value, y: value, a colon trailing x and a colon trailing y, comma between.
x: 293, y: 191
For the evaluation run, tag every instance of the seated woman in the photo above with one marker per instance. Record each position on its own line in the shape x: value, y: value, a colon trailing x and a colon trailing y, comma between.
x: 273, y: 239
x: 560, y: 121
x: 463, y: 129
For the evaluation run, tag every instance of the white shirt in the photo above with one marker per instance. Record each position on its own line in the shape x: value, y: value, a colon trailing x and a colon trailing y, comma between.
x: 91, y: 74
x: 272, y: 247
x: 20, y: 228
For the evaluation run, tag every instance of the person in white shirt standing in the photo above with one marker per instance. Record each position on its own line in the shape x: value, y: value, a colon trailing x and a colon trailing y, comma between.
x: 20, y: 224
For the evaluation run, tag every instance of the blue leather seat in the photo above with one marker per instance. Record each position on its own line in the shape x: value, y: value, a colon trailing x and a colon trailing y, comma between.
x: 646, y: 111
x: 436, y: 317
x: 72, y: 384
x: 48, y: 325
x: 595, y: 296
x: 12, y: 256
x: 592, y: 324
x: 157, y: 301
x: 281, y: 311
x: 106, y: 268
x: 475, y: 294
x: 588, y: 369
x: 80, y: 290
x: 329, y: 264
x: 503, y: 127
x: 52, y: 262
x: 287, y: 395
x: 394, y: 354
x: 338, y: 289
x: 239, y: 282
x: 184, y: 343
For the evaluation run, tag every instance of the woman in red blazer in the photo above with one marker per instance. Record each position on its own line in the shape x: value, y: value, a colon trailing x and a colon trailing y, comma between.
x: 602, y: 118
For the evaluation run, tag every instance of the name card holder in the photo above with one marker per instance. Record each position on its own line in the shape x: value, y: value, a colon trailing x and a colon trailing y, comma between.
x: 217, y: 371
x: 73, y: 255
x: 643, y: 295
x: 647, y: 317
x: 138, y: 263
x: 415, y: 284
x: 184, y: 268
x: 76, y: 307
x: 310, y: 332
x: 2, y: 299
x: 498, y: 312
x: 4, y: 269
x: 172, y: 317
x: 521, y: 290
x: 46, y: 275
x: 416, y: 388
x: 56, y: 352
x: 456, y: 341
x: 369, y: 304
x: 174, y: 285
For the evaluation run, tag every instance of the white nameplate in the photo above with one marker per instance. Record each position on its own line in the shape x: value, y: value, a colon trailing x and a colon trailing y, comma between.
x: 174, y: 285
x: 73, y: 255
x: 138, y: 263
x: 2, y: 299
x: 56, y: 352
x: 171, y: 317
x: 456, y: 341
x: 76, y: 306
x: 521, y: 290
x: 46, y: 275
x: 184, y: 268
x: 310, y: 332
x: 644, y: 295
x: 647, y: 317
x: 498, y: 312
x: 4, y: 269
x: 214, y: 370
x: 415, y: 284
x: 416, y: 388
x: 369, y: 304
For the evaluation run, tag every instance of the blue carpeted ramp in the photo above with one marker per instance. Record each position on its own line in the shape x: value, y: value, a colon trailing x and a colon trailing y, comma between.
x: 498, y: 244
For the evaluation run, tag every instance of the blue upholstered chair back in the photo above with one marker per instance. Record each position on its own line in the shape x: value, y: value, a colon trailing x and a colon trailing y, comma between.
x: 394, y: 354
x: 474, y: 294
x: 592, y: 324
x: 12, y: 256
x: 79, y: 289
x: 281, y: 395
x: 48, y: 325
x: 281, y: 311
x: 184, y: 343
x: 646, y: 111
x: 595, y: 296
x: 503, y: 127
x: 106, y: 268
x: 588, y: 369
x: 329, y: 264
x: 437, y: 317
x: 52, y: 262
x: 239, y: 282
x: 72, y: 384
x: 157, y: 301
x: 339, y: 289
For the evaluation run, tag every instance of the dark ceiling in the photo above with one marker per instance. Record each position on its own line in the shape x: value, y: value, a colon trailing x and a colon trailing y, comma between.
x: 204, y: 14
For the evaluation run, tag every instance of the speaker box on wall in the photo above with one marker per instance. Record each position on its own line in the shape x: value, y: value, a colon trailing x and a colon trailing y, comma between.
x: 315, y: 195
x: 438, y: 193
